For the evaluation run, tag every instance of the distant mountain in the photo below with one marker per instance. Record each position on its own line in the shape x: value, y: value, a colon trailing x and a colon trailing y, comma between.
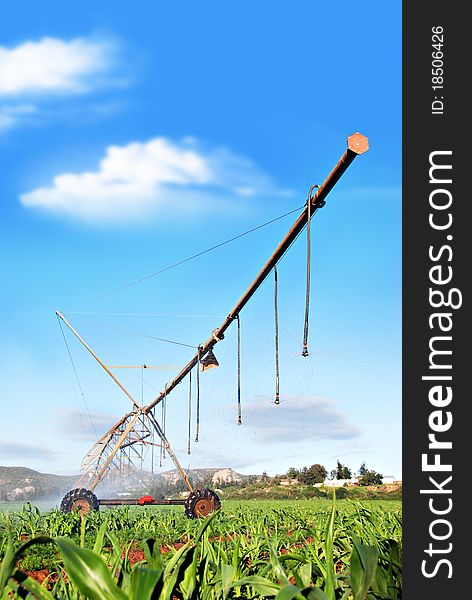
x: 135, y: 482
x: 214, y: 475
x: 23, y: 484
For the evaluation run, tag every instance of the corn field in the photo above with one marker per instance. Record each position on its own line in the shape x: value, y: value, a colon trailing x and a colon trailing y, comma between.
x: 320, y: 550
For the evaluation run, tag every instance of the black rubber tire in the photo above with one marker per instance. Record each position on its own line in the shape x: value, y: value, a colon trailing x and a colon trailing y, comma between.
x: 79, y: 500
x: 207, y: 498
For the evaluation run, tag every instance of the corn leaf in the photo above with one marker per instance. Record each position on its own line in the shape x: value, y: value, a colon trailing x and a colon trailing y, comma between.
x: 30, y: 584
x: 153, y: 555
x: 329, y: 547
x: 227, y: 577
x: 363, y: 567
x: 288, y: 592
x: 143, y: 583
x: 262, y: 586
x: 312, y: 593
x: 89, y: 572
x: 97, y: 547
x: 7, y: 566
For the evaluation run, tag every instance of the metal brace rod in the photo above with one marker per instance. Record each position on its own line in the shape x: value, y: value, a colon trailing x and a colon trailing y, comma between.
x: 103, y: 365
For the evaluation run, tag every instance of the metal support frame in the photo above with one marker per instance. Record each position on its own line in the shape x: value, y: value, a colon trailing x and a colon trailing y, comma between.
x: 136, y: 502
x: 123, y: 434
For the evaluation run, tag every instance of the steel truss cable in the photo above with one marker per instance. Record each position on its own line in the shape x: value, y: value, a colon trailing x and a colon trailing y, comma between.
x: 189, y: 411
x: 308, y: 272
x: 197, y: 429
x: 181, y: 262
x: 77, y: 377
x: 276, y: 319
x: 239, y: 370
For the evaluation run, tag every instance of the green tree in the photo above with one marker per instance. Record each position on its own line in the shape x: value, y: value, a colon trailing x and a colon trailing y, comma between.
x: 343, y: 472
x: 293, y: 473
x: 371, y: 478
x: 314, y: 474
x: 363, y: 469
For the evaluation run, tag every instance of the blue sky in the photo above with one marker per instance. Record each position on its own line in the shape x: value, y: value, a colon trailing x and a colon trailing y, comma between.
x: 133, y: 136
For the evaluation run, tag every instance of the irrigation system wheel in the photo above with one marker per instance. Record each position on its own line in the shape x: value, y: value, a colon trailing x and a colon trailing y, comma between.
x: 79, y: 500
x: 201, y: 503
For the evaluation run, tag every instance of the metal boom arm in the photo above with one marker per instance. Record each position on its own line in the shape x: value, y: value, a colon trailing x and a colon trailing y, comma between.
x: 356, y: 144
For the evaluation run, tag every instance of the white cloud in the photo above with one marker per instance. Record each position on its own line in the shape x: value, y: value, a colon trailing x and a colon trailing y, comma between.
x: 157, y: 176
x: 40, y: 79
x: 53, y: 65
x: 298, y: 418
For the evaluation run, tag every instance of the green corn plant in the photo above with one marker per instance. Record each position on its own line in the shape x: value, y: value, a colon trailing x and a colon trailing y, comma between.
x: 340, y: 550
x: 11, y: 577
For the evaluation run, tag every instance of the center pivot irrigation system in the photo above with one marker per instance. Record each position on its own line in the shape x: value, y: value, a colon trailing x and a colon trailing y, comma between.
x: 135, y: 430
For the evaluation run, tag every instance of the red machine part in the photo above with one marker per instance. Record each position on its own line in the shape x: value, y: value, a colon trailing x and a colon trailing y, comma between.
x: 145, y: 500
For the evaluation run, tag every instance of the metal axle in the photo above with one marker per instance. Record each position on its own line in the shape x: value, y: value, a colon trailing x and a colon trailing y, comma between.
x: 136, y: 502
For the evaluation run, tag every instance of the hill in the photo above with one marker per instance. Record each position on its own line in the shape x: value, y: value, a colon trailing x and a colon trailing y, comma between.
x: 271, y: 490
x: 20, y: 483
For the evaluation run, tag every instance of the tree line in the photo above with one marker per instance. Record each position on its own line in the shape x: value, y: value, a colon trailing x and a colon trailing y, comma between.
x: 317, y: 474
